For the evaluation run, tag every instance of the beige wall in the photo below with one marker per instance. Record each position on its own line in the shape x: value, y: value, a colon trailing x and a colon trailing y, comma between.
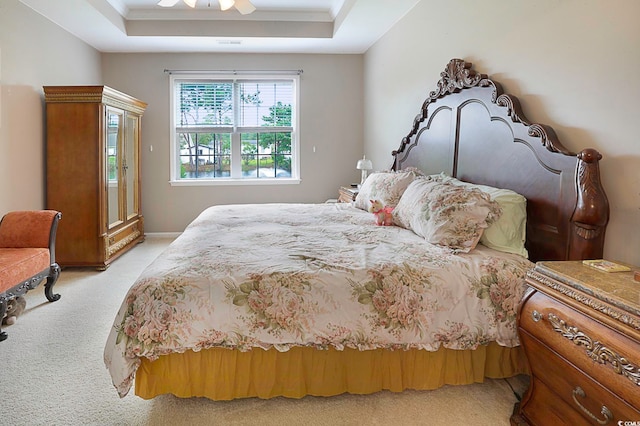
x: 573, y: 64
x: 330, y: 119
x: 33, y: 53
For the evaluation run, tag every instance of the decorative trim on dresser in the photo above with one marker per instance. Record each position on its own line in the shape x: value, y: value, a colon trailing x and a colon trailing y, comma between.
x: 596, y: 350
x: 580, y: 329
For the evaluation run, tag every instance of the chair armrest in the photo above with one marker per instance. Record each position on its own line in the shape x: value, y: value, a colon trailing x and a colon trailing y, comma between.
x: 29, y: 228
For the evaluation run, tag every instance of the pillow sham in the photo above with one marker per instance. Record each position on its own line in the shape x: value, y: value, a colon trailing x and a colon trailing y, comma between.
x: 446, y: 214
x: 508, y: 233
x: 386, y: 186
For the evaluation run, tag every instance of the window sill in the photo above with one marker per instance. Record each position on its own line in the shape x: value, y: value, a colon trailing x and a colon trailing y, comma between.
x: 227, y: 182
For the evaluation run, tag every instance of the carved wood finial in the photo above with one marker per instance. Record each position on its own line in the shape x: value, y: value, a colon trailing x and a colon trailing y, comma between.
x: 457, y: 75
x: 591, y: 215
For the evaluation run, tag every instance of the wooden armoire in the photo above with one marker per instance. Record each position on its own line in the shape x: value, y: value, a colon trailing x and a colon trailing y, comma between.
x: 93, y: 172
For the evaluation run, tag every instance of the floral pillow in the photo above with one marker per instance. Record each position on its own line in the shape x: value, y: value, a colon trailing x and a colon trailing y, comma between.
x: 508, y: 233
x: 446, y: 214
x: 387, y: 187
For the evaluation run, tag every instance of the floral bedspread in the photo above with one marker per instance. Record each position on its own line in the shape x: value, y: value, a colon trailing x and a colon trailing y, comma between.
x: 319, y: 275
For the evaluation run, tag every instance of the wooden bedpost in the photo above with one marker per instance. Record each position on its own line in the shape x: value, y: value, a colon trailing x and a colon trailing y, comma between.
x: 591, y: 214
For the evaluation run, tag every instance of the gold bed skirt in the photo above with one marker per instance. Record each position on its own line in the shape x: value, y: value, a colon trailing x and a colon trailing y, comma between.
x: 224, y: 374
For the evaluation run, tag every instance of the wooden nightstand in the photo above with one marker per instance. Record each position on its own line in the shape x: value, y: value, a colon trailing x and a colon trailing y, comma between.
x: 580, y: 330
x: 347, y: 194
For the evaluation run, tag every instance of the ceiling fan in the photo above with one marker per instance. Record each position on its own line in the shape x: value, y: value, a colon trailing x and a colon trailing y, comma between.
x: 243, y: 6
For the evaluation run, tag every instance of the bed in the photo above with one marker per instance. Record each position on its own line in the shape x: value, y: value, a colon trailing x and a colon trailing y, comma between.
x: 316, y: 299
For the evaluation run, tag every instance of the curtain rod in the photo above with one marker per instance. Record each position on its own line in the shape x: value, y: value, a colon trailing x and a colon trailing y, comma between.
x: 235, y: 72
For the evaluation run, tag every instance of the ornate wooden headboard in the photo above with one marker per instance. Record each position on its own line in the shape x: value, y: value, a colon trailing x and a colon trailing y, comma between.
x: 469, y: 129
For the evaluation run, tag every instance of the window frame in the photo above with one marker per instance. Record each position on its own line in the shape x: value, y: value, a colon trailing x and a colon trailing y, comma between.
x: 236, y: 145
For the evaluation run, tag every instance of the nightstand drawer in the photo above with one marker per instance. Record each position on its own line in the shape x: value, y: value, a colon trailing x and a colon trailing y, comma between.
x: 577, y: 395
x: 610, y: 358
x: 545, y: 408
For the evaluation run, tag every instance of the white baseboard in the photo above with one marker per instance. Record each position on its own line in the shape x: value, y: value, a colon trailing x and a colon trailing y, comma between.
x: 162, y: 234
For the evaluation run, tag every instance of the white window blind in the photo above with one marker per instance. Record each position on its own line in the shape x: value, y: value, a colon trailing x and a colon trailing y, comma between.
x: 234, y: 129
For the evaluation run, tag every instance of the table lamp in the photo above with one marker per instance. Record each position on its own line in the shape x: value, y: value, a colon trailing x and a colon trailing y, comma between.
x: 364, y: 165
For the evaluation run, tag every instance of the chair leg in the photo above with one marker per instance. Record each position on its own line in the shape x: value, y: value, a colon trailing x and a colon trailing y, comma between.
x: 3, y: 310
x: 51, y: 280
x: 30, y: 284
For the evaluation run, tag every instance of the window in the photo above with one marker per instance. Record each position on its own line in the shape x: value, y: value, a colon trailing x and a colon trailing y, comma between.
x: 234, y: 130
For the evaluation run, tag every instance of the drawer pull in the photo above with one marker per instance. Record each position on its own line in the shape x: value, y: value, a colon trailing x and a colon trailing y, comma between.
x: 537, y: 316
x: 604, y: 411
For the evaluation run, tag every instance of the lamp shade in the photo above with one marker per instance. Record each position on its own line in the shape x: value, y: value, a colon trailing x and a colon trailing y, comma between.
x: 364, y: 164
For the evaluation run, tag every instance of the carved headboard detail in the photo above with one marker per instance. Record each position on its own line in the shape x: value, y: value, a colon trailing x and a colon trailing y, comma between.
x: 470, y: 129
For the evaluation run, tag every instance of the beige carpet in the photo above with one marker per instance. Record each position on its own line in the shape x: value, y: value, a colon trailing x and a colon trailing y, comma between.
x: 52, y: 373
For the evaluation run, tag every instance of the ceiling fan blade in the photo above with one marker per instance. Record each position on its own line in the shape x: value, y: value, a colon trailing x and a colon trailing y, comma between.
x: 168, y: 3
x: 245, y: 7
x: 225, y: 4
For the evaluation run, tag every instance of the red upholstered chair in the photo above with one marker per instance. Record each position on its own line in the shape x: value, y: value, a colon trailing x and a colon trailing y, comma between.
x: 27, y: 255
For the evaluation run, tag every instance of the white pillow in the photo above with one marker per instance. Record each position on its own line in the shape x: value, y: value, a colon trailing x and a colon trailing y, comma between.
x: 387, y: 187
